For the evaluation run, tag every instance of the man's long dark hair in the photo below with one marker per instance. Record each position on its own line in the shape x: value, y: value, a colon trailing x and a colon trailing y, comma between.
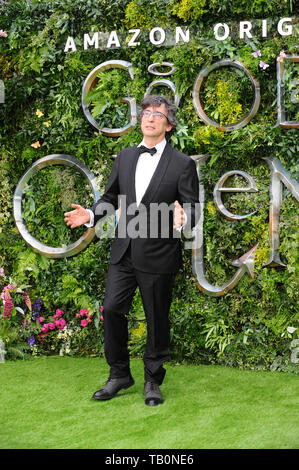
x: 157, y: 100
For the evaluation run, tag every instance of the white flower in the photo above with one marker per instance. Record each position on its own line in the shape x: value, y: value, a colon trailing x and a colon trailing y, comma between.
x: 291, y: 329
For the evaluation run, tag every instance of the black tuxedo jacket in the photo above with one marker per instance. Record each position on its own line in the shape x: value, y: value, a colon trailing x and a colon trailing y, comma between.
x: 156, y: 247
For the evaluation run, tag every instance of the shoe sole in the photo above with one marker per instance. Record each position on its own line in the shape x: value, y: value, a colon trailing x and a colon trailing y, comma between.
x: 152, y: 402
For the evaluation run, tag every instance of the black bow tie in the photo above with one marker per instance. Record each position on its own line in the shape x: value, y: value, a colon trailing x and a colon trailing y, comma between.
x: 143, y: 149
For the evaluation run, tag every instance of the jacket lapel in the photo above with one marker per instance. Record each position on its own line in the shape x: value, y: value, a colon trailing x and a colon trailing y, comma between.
x: 157, y: 176
x: 131, y: 176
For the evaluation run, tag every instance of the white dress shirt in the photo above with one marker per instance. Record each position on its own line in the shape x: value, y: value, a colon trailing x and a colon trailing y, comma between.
x: 145, y: 169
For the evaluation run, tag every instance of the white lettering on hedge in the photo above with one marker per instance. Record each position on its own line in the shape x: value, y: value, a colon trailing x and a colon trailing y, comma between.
x: 157, y: 35
x: 245, y: 27
x: 94, y: 41
x: 152, y: 34
x: 180, y: 34
x: 70, y: 44
x: 113, y: 40
x: 264, y: 28
x: 132, y: 41
x: 226, y: 31
x: 287, y: 31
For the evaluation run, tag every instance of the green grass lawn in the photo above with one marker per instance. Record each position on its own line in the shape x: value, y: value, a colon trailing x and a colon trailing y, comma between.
x: 46, y: 404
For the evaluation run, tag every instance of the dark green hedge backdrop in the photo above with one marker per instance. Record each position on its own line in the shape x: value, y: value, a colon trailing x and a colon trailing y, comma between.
x: 256, y: 323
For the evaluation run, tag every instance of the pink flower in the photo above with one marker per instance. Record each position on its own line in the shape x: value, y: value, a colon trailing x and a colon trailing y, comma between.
x: 41, y: 319
x: 39, y: 339
x: 101, y: 308
x: 27, y: 300
x: 3, y: 33
x: 2, y: 272
x: 6, y: 295
x: 51, y: 326
x: 256, y: 53
x: 6, y: 288
x: 282, y: 55
x: 84, y: 323
x: 45, y: 328
x: 59, y: 312
x: 101, y: 318
x: 84, y: 311
x: 8, y: 306
x: 62, y: 323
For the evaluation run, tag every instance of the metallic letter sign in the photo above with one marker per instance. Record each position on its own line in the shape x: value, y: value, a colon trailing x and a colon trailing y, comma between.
x: 244, y: 264
x: 90, y: 83
x: 50, y: 251
x: 152, y: 68
x: 2, y: 92
x: 281, y: 94
x: 162, y: 81
x: 199, y: 106
x: 219, y: 189
x: 279, y: 175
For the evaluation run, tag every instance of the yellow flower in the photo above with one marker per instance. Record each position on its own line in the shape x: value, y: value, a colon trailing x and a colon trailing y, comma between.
x: 47, y: 123
x: 39, y: 113
x: 211, y: 208
x: 138, y: 332
x: 36, y: 144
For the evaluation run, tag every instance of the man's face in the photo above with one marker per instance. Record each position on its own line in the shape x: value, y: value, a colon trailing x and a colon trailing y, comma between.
x: 155, y: 127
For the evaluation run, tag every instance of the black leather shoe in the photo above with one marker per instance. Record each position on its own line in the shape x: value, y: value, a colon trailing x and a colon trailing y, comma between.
x: 152, y: 394
x: 112, y: 387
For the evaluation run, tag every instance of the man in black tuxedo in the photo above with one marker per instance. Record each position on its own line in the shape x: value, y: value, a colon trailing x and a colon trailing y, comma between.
x: 145, y: 178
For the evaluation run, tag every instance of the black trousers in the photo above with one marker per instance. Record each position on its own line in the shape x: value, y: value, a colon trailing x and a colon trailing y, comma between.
x: 156, y: 293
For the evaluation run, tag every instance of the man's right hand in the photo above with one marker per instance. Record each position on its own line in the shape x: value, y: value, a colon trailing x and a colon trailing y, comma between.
x: 77, y: 217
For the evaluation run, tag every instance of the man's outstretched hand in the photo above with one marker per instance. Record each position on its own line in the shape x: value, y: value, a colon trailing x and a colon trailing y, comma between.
x: 77, y: 217
x: 178, y: 215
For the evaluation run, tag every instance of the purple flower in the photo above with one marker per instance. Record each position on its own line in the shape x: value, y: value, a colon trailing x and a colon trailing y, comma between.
x: 263, y: 65
x: 256, y: 53
x: 36, y: 307
x: 31, y: 340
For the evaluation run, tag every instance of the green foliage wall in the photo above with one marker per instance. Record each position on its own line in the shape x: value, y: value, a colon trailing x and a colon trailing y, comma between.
x: 254, y: 324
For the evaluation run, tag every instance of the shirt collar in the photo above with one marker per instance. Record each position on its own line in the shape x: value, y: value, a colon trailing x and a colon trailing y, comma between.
x: 160, y: 146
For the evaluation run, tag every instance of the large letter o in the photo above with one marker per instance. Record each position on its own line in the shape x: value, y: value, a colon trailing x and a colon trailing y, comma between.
x: 199, y: 106
x: 51, y: 252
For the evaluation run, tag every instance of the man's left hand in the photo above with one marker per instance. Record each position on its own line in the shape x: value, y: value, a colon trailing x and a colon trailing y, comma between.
x: 178, y: 218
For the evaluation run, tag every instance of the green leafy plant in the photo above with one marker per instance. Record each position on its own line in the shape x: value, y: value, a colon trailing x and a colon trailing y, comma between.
x: 42, y: 115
